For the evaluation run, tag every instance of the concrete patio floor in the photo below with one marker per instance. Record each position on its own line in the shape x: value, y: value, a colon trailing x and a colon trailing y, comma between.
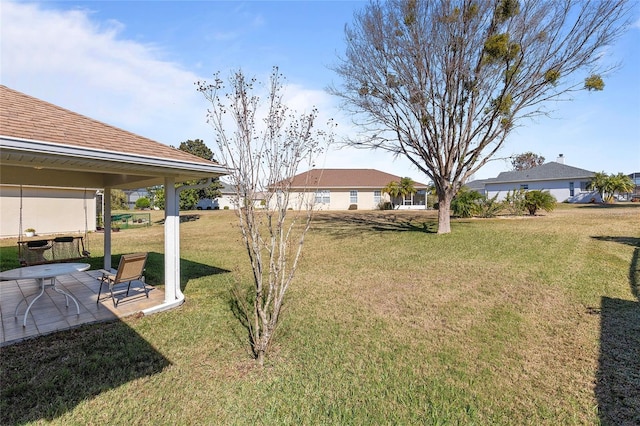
x: 49, y: 313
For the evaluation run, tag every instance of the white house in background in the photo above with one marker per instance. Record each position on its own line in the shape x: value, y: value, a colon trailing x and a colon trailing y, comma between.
x: 565, y: 183
x: 224, y: 201
x: 344, y: 189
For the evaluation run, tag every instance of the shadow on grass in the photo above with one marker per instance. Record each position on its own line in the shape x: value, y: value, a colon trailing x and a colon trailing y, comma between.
x: 154, y: 269
x: 618, y: 379
x: 609, y: 206
x: 344, y: 225
x: 44, y: 378
x: 240, y: 303
x: 183, y: 218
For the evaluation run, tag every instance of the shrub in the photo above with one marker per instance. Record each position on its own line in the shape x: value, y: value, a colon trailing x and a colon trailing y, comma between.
x: 536, y: 199
x: 514, y: 202
x: 353, y: 207
x: 466, y: 203
x: 143, y: 203
x: 385, y: 205
x: 489, y: 207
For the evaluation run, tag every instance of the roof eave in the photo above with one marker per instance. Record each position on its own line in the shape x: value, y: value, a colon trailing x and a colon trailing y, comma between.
x: 49, y: 150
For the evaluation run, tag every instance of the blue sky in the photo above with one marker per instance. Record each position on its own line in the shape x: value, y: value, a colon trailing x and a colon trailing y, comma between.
x: 134, y: 64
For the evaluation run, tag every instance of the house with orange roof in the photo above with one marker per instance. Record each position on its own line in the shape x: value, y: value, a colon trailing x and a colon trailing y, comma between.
x: 352, y: 189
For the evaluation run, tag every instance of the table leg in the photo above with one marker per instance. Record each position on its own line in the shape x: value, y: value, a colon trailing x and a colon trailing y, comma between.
x: 67, y: 296
x: 41, y: 282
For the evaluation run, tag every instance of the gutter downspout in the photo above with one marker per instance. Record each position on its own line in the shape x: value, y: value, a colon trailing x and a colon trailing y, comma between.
x: 173, y: 296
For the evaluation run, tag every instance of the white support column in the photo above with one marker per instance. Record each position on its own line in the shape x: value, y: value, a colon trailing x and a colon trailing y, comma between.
x: 171, y: 241
x: 172, y: 295
x: 106, y: 197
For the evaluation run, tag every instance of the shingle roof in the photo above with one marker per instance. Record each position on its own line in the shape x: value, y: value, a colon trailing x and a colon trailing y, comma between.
x: 478, y: 184
x: 26, y: 117
x: 547, y: 171
x: 346, y: 178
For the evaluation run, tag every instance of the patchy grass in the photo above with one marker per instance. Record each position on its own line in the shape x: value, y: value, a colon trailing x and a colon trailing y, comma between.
x: 529, y: 320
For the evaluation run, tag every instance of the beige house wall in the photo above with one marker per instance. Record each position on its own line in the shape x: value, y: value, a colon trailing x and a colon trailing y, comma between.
x: 47, y: 210
x: 340, y: 199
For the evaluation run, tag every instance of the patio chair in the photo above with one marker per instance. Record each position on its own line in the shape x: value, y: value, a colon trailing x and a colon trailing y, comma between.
x: 131, y: 268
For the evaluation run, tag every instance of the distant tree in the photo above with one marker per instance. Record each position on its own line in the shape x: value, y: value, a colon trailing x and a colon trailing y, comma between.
x: 407, y: 187
x: 620, y: 184
x: 118, y: 200
x: 599, y: 183
x: 610, y: 185
x: 393, y: 189
x: 190, y: 197
x: 157, y: 196
x: 527, y: 161
x: 444, y: 82
x: 403, y: 188
x: 197, y: 147
x: 539, y: 200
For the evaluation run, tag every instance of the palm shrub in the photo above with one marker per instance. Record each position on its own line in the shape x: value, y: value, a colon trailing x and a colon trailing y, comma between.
x: 514, y: 202
x: 489, y: 207
x: 536, y: 199
x: 466, y: 203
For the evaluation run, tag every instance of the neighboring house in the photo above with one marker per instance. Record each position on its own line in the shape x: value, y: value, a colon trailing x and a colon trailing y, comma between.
x: 478, y: 185
x: 226, y: 200
x: 565, y: 183
x: 635, y: 177
x: 343, y: 189
x: 227, y: 197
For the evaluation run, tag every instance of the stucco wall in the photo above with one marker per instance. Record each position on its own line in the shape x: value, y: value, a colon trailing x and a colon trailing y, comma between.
x: 557, y: 188
x: 341, y: 199
x: 47, y: 210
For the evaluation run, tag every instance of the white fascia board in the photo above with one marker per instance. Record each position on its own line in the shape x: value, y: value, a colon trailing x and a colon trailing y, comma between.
x: 62, y: 150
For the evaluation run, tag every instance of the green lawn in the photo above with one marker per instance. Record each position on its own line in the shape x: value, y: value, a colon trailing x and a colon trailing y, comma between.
x: 530, y: 320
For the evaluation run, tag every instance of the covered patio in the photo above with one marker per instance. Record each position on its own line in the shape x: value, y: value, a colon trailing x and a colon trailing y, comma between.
x: 46, y: 145
x: 49, y: 314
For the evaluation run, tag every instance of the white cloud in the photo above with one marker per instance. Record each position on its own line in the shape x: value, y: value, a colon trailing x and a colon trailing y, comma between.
x: 67, y: 59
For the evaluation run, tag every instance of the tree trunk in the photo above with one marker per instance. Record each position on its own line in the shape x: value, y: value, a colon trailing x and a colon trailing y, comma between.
x: 444, y: 211
x: 260, y: 358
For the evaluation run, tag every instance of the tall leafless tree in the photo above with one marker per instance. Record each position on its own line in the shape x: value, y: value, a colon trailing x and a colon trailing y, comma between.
x: 444, y: 82
x: 263, y: 151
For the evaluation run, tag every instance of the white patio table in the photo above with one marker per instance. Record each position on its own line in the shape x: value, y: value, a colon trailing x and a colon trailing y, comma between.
x: 41, y: 273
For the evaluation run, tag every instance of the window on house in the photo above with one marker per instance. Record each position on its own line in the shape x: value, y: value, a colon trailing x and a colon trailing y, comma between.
x: 353, y: 196
x: 377, y: 195
x: 583, y: 186
x: 524, y: 186
x: 571, y: 189
x: 323, y: 196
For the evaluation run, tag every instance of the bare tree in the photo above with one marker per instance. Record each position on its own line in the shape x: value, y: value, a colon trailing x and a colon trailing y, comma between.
x: 444, y: 82
x: 526, y: 161
x: 263, y: 157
